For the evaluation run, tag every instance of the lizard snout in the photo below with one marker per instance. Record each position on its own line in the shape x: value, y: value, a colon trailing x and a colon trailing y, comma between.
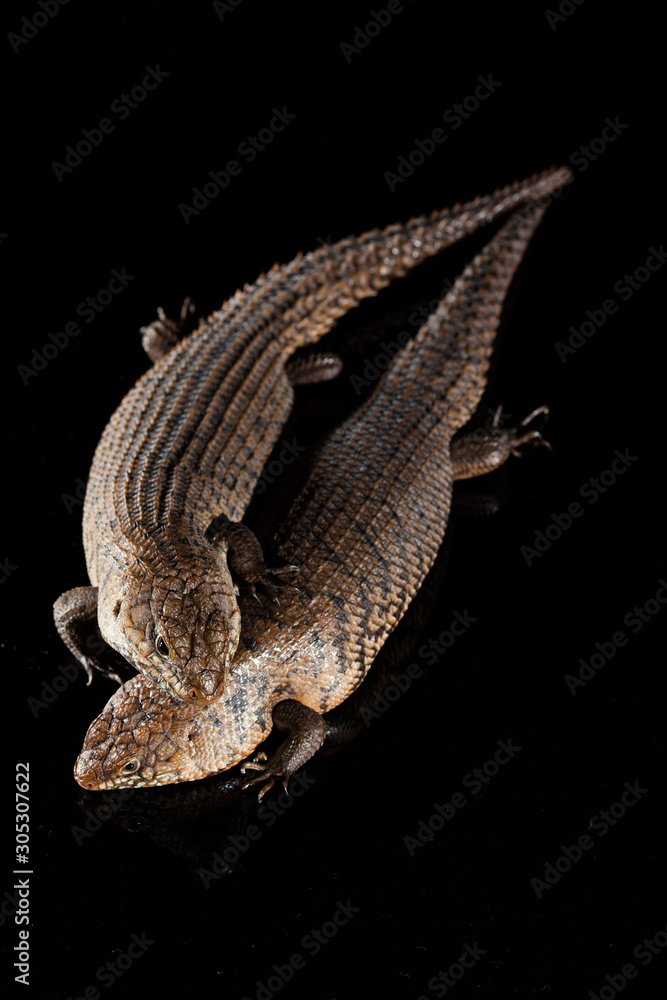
x: 86, y: 773
x: 205, y: 681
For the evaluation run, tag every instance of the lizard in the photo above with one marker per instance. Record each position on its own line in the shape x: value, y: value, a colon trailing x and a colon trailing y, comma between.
x: 178, y: 460
x: 364, y: 531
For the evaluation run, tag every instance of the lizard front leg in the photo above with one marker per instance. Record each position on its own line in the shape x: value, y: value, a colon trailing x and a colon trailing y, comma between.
x: 74, y: 613
x: 245, y: 557
x: 480, y: 451
x: 306, y: 731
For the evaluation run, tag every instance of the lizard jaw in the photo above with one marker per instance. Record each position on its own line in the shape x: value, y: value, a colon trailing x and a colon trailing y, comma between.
x: 205, y: 689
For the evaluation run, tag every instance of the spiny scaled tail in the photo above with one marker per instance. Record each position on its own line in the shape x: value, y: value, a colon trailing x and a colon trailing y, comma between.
x: 368, y: 524
x: 344, y: 274
x: 386, y: 465
x: 446, y: 364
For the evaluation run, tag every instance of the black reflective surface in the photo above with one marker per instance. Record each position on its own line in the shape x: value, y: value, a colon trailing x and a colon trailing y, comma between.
x: 537, y: 865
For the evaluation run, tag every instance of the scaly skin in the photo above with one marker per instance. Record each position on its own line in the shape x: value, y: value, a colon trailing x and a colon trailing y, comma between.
x: 365, y: 531
x: 187, y: 444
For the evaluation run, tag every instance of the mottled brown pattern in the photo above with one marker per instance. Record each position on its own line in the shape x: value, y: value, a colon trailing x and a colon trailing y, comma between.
x: 364, y: 531
x: 188, y: 443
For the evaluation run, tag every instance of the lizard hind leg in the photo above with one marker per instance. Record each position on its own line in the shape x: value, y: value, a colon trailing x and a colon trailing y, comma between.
x: 160, y: 336
x: 481, y: 451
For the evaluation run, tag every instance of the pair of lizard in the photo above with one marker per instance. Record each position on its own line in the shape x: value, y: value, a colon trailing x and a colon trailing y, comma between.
x: 184, y: 450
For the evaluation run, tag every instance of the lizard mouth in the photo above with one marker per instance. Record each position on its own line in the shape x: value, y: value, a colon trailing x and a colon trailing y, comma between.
x: 205, y: 688
x: 87, y: 775
x: 90, y: 780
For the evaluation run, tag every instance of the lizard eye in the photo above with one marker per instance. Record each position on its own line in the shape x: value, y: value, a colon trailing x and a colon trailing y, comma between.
x: 136, y: 823
x: 161, y: 646
x: 130, y: 766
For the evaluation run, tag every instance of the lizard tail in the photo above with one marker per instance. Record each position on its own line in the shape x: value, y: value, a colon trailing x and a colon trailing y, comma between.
x: 335, y: 279
x: 370, y: 520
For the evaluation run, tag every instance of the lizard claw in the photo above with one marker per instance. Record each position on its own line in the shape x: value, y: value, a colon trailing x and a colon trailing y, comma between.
x: 92, y: 665
x: 283, y: 570
x: 245, y: 557
x: 270, y: 588
x: 533, y: 436
x: 266, y: 787
x: 266, y: 779
x: 306, y: 729
x: 256, y: 764
x: 267, y: 775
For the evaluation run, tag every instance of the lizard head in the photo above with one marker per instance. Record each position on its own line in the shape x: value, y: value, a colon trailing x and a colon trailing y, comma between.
x: 182, y: 635
x: 143, y: 737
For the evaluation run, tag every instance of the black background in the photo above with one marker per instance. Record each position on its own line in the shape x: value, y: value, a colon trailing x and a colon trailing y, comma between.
x: 320, y: 179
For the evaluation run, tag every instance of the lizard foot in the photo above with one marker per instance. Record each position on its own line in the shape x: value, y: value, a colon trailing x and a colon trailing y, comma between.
x: 270, y: 588
x: 265, y: 780
x: 483, y: 450
x: 160, y: 336
x: 245, y: 557
x: 306, y: 730
x: 267, y: 774
x: 533, y: 436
